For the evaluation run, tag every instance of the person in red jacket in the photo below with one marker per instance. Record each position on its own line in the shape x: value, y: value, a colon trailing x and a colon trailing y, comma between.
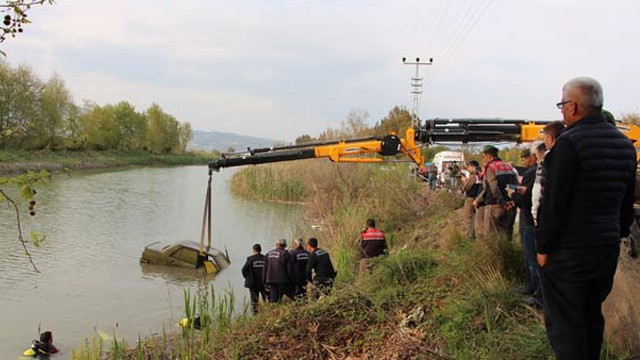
x: 372, y: 244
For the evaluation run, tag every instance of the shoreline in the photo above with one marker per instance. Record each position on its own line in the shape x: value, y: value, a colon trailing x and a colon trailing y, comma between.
x: 15, y: 162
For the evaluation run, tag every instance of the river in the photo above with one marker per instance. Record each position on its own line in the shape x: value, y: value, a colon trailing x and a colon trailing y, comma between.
x: 96, y: 226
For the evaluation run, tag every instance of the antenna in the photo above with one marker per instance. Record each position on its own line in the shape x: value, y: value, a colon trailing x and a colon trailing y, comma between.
x: 416, y: 88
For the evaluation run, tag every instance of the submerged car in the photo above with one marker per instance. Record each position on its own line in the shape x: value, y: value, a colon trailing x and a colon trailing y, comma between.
x: 185, y: 254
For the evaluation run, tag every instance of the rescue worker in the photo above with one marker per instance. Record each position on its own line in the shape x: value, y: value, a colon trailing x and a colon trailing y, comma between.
x: 372, y: 243
x: 320, y: 272
x: 277, y: 271
x: 587, y: 206
x: 471, y: 186
x: 253, y: 273
x: 43, y: 347
x: 522, y: 199
x: 299, y: 260
x: 499, y: 212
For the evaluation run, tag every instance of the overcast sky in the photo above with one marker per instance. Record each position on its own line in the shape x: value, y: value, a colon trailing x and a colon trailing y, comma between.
x: 278, y: 69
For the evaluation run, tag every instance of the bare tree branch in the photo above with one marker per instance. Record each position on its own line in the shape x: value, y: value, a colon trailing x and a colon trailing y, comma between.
x: 22, y: 241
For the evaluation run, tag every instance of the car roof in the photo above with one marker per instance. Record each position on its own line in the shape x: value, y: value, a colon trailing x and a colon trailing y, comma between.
x: 185, y: 243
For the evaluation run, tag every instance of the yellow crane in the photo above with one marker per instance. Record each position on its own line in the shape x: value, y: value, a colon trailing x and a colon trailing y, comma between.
x: 455, y: 131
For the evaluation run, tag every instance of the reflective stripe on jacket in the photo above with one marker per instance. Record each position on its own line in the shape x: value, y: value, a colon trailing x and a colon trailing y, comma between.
x: 372, y: 243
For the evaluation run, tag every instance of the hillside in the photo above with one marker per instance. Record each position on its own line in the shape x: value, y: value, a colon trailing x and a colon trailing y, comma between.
x: 222, y: 141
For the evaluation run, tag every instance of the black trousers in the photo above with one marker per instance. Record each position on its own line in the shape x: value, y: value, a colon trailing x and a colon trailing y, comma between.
x: 575, y: 282
x: 276, y: 291
x: 255, y: 294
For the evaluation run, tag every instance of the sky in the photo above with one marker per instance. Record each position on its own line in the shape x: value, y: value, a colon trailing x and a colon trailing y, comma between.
x: 278, y: 69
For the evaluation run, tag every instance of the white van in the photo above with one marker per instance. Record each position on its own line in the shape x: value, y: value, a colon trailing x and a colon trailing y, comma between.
x: 445, y: 158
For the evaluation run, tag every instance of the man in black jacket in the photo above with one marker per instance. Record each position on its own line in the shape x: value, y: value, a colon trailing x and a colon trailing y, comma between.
x: 587, y: 206
x: 522, y: 199
x: 277, y: 273
x: 299, y: 260
x: 320, y: 263
x: 253, y: 273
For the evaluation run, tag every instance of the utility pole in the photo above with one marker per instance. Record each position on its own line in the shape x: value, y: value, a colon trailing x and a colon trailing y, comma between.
x: 416, y: 88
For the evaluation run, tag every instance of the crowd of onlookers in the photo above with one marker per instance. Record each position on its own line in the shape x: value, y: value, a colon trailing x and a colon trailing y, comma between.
x: 575, y: 197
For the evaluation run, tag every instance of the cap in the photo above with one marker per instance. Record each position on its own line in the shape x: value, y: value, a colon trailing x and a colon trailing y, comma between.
x: 282, y: 242
x: 489, y: 148
x: 525, y: 153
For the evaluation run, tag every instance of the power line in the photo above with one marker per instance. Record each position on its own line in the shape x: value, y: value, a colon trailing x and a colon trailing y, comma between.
x: 435, y: 29
x: 467, y: 30
x: 459, y: 29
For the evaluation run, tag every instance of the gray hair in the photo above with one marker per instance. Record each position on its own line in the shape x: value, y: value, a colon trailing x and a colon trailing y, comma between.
x: 590, y: 92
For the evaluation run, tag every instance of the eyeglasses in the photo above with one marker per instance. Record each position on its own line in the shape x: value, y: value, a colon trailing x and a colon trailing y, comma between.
x: 561, y: 104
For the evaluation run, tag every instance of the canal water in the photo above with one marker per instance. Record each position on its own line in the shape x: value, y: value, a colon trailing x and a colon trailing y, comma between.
x: 96, y: 226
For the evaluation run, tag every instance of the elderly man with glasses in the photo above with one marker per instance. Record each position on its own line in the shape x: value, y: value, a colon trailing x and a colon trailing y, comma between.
x: 587, y: 206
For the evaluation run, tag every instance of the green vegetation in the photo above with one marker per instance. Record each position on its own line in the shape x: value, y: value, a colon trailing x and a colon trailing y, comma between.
x: 36, y: 115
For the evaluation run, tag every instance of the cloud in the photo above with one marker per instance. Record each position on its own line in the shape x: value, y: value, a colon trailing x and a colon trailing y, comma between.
x: 281, y: 68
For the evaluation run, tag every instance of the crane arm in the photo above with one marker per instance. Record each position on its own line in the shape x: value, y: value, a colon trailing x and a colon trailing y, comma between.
x: 458, y: 131
x: 336, y: 151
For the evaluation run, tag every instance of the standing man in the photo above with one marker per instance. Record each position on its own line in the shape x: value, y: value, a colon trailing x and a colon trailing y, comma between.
x: 471, y: 187
x: 372, y: 243
x: 499, y: 211
x: 277, y: 272
x: 320, y: 264
x: 433, y: 176
x: 299, y: 259
x: 455, y: 175
x: 522, y: 199
x: 587, y: 207
x: 253, y: 273
x: 550, y: 133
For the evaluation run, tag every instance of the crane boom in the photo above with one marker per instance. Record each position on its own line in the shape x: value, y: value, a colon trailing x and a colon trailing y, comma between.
x: 459, y: 131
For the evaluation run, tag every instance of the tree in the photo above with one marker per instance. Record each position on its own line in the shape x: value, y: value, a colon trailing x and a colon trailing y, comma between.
x: 14, y: 16
x: 162, y: 131
x: 304, y: 139
x: 19, y: 94
x: 398, y: 120
x: 131, y: 126
x: 46, y: 129
x: 185, y: 135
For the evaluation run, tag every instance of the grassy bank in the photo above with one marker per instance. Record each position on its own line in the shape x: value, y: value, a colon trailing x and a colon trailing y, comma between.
x: 436, y: 296
x: 17, y: 161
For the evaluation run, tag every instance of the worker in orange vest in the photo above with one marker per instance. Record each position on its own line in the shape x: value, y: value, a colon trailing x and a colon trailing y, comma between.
x: 372, y: 243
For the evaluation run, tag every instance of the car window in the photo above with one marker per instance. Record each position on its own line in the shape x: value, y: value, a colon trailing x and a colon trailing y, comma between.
x: 188, y: 255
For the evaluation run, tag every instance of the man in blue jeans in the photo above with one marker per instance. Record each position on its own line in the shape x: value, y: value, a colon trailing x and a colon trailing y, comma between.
x: 522, y: 198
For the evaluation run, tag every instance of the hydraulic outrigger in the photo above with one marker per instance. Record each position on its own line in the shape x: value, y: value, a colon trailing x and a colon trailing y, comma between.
x: 458, y: 131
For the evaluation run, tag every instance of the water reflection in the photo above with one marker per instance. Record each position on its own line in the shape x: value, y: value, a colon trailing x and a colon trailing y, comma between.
x: 97, y: 226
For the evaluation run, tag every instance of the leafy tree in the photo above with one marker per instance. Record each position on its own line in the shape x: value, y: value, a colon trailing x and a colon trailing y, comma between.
x: 19, y: 94
x: 46, y: 128
x: 100, y: 127
x: 398, y: 120
x: 131, y: 126
x: 162, y: 131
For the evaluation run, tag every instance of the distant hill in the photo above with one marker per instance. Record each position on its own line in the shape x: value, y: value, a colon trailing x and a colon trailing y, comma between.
x: 222, y: 141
